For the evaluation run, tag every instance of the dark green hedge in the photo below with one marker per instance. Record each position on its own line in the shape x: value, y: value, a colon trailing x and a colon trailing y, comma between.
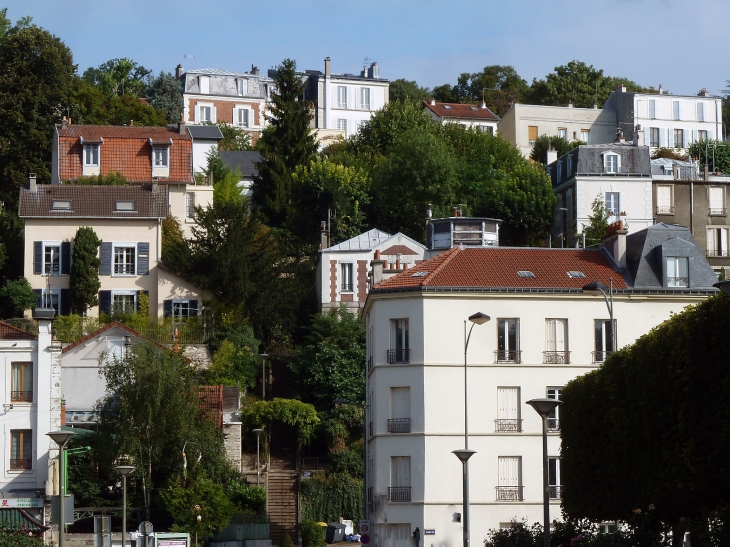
x: 328, y: 496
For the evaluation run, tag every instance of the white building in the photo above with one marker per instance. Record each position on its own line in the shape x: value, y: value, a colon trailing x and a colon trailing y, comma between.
x: 544, y: 331
x: 673, y: 121
x: 478, y: 117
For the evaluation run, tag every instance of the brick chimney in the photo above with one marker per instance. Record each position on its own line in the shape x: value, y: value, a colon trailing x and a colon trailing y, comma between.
x: 326, y: 67
x: 376, y: 269
x: 615, y: 243
x: 254, y: 70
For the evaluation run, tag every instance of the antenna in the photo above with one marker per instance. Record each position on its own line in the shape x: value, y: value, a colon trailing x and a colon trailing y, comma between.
x: 366, y: 62
x: 188, y: 56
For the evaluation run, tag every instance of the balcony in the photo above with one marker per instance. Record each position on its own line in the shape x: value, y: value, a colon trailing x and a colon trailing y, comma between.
x: 508, y: 425
x: 399, y: 494
x: 21, y: 396
x: 399, y: 356
x: 556, y: 357
x: 553, y: 424
x: 21, y: 463
x: 555, y: 492
x: 509, y: 493
x: 370, y: 429
x: 346, y: 287
x: 600, y: 356
x: 664, y: 210
x: 399, y: 425
x: 677, y: 281
x: 508, y: 356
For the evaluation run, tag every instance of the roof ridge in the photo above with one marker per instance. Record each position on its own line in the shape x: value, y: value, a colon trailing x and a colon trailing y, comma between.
x: 448, y: 255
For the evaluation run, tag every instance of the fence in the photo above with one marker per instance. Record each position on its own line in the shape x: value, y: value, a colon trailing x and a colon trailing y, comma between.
x: 243, y: 527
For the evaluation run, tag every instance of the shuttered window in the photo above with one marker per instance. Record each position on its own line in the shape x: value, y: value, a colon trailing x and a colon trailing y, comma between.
x: 717, y: 200
x: 652, y: 109
x: 700, y: 112
x: 395, y: 535
x: 717, y: 242
x: 508, y: 403
x: 341, y: 96
x: 664, y: 200
x: 675, y: 110
x: 531, y: 134
x: 400, y: 403
x: 510, y: 471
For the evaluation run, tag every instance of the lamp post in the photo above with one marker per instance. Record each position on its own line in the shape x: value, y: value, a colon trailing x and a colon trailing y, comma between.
x: 264, y: 357
x: 544, y: 407
x: 597, y: 288
x: 464, y: 454
x: 724, y: 286
x: 124, y: 471
x: 258, y: 465
x: 364, y: 451
x: 61, y: 438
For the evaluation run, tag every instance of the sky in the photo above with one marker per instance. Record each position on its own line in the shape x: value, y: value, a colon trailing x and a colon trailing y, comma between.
x: 678, y: 44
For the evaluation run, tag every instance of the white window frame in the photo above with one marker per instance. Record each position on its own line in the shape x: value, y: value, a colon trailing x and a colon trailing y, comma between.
x: 676, y: 111
x: 655, y: 132
x: 238, y: 111
x: 702, y: 135
x: 563, y: 133
x: 124, y: 292
x: 679, y: 133
x: 190, y: 205
x: 204, y: 85
x: 364, y: 98
x: 341, y: 96
x: 91, y: 154
x: 611, y: 163
x: 161, y: 157
x: 347, y: 277
x: 615, y: 215
x: 52, y: 293
x: 663, y: 208
x: 675, y: 262
x: 179, y: 304
x: 716, y: 208
x: 342, y: 125
x: 554, y: 476
x: 585, y: 136
x: 700, y: 111
x: 652, y: 109
x: 60, y: 257
x: 717, y: 246
x: 199, y: 113
x: 126, y: 245
x: 240, y: 87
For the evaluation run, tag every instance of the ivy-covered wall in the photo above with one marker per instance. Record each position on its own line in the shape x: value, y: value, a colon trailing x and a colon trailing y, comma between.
x: 327, y: 497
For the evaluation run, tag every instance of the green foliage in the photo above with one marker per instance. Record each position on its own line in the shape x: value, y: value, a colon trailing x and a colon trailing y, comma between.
x: 545, y: 142
x: 328, y: 496
x: 90, y: 105
x: 118, y: 77
x: 164, y: 93
x: 19, y: 539
x: 286, y: 143
x: 247, y: 498
x: 518, y: 534
x: 113, y: 178
x: 17, y: 296
x: 386, y: 126
x: 175, y: 251
x: 286, y: 541
x: 713, y: 154
x: 595, y: 231
x: 330, y: 364
x: 234, y: 138
x: 215, y: 508
x: 228, y: 190
x: 671, y: 153
x: 499, y: 86
x: 681, y: 467
x: 402, y: 90
x: 301, y: 415
x: 235, y: 356
x: 74, y: 327
x: 312, y: 534
x: 84, y: 282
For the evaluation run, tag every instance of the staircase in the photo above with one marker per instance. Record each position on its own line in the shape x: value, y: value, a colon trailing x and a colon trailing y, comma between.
x: 283, y: 484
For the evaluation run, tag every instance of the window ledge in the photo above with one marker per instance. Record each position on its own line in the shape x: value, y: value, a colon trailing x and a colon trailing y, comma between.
x: 20, y: 472
x: 189, y: 221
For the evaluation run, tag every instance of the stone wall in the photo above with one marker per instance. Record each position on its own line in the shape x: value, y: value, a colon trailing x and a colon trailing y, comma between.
x: 232, y: 432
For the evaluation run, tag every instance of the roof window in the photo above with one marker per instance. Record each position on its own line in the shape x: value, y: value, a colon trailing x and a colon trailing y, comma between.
x: 525, y: 273
x: 575, y: 273
x: 419, y: 274
x: 61, y: 205
x: 447, y: 106
x: 125, y: 206
x: 473, y: 108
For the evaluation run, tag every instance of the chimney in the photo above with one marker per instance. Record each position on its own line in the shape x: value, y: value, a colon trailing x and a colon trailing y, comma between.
x: 33, y: 184
x: 131, y: 123
x: 397, y: 263
x: 615, y: 243
x: 326, y: 67
x: 703, y: 92
x: 155, y: 187
x: 621, y: 88
x: 675, y: 171
x: 484, y: 105
x: 181, y: 127
x: 638, y: 135
x: 324, y: 235
x: 570, y: 104
x: 552, y: 156
x: 619, y: 135
x: 376, y: 269
x: 432, y: 102
x: 374, y: 71
x: 64, y: 122
x: 595, y: 106
x: 660, y: 89
x: 254, y: 70
x: 179, y: 71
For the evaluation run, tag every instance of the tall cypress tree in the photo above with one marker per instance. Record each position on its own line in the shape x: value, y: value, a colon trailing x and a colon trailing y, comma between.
x: 286, y: 143
x: 84, y: 283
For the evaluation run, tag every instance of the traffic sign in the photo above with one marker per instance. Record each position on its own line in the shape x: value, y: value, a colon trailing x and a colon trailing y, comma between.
x: 364, y: 526
x: 365, y: 539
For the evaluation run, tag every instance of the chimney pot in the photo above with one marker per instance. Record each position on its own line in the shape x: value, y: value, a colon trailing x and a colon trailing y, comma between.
x: 33, y: 183
x: 179, y: 71
x: 377, y: 254
x: 181, y: 127
x: 432, y: 102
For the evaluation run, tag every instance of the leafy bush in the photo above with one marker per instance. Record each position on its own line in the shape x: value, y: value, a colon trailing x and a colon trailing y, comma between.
x: 247, y: 498
x: 18, y: 296
x: 328, y: 496
x: 312, y: 534
x: 286, y: 541
x: 114, y: 178
x: 19, y: 539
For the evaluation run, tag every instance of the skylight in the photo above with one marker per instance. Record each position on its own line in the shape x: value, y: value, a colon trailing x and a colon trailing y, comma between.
x: 525, y: 273
x: 447, y: 106
x: 61, y: 205
x: 574, y: 274
x: 419, y: 274
x: 125, y: 206
x: 473, y: 108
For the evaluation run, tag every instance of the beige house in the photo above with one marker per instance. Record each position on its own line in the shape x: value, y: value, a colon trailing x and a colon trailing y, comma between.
x: 128, y: 220
x: 479, y: 117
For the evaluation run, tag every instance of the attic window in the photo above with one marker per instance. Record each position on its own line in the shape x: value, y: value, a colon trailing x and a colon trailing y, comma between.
x: 447, y: 106
x: 525, y: 273
x: 574, y: 274
x: 125, y: 206
x: 473, y: 108
x: 419, y: 274
x: 61, y: 205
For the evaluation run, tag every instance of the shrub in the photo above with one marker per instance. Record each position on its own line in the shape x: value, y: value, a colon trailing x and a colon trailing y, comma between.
x: 312, y: 534
x: 286, y: 541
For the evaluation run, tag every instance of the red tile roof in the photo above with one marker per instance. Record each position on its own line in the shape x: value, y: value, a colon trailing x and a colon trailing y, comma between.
x: 9, y: 332
x: 125, y: 149
x: 113, y: 324
x: 398, y: 249
x: 457, y: 110
x: 497, y: 267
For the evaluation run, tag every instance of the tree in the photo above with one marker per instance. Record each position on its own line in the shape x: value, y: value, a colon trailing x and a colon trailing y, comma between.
x: 329, y: 365
x: 200, y: 497
x: 445, y: 94
x: 715, y: 154
x: 17, y: 296
x: 90, y: 105
x: 554, y: 142
x: 175, y: 251
x: 234, y: 138
x: 285, y: 143
x: 595, y: 231
x: 119, y: 77
x: 165, y: 93
x: 499, y: 86
x: 84, y: 282
x: 402, y: 90
x: 235, y: 355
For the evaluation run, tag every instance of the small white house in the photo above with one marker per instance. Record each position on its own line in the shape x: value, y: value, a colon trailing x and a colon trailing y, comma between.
x: 478, y: 117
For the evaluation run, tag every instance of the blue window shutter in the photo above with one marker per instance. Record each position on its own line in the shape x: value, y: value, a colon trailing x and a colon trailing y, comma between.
x: 167, y: 308
x: 105, y: 301
x: 193, y: 305
x: 105, y: 254
x: 143, y: 258
x: 65, y: 258
x: 65, y: 305
x: 39, y: 293
x: 37, y: 257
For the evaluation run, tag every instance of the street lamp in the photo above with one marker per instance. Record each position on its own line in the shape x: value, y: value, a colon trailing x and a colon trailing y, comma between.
x: 264, y: 357
x: 478, y: 318
x: 258, y: 465
x: 724, y: 286
x: 61, y: 438
x: 597, y: 288
x: 124, y: 470
x: 364, y: 450
x: 544, y: 407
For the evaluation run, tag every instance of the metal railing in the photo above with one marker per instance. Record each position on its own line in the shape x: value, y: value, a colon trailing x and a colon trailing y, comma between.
x: 399, y: 355
x: 677, y: 281
x: 718, y: 212
x: 555, y: 492
x: 600, y: 356
x: 556, y: 357
x: 312, y: 463
x: 664, y: 210
x: 509, y: 493
x: 513, y: 425
x: 718, y: 252
x: 21, y: 396
x: 553, y: 424
x: 399, y: 425
x: 347, y: 287
x: 21, y: 463
x: 508, y: 356
x: 399, y: 493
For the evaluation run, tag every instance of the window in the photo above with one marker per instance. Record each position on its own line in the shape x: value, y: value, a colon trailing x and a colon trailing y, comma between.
x: 702, y: 134
x: 611, y: 163
x: 91, y: 155
x: 563, y: 133
x: 190, y: 205
x: 400, y: 352
x: 364, y: 98
x: 341, y: 96
x: 679, y: 138
x: 124, y: 302
x: 204, y: 82
x: 181, y: 309
x: 342, y: 124
x: 700, y: 112
x: 652, y: 109
x: 160, y: 156
x: 21, y: 449
x: 205, y: 114
x: 717, y: 242
x: 654, y: 136
x: 400, y: 410
x: 508, y: 410
x: 395, y: 535
x: 243, y: 117
x: 554, y: 416
x: 124, y: 260
x: 346, y: 276
x: 675, y: 110
x: 61, y: 205
x: 556, y: 342
x: 569, y: 193
x: 664, y: 200
x: 531, y: 134
x: 124, y: 206
x: 603, y: 340
x: 677, y: 271
x: 510, y: 478
x: 52, y: 259
x: 717, y: 200
x: 21, y: 390
x: 585, y: 135
x: 486, y: 129
x: 400, y: 479
x: 613, y: 205
x: 242, y: 85
x: 554, y: 478
x: 51, y: 298
x: 508, y: 341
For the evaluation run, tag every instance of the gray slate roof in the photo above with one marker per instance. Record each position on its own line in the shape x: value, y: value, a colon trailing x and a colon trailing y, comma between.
x: 93, y: 201
x: 363, y: 242
x: 205, y: 132
x: 244, y: 161
x: 587, y: 159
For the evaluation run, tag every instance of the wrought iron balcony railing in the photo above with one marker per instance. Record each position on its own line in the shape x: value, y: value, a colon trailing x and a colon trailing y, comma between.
x: 509, y: 493
x: 399, y: 493
x: 555, y: 492
x: 718, y: 252
x: 513, y: 425
x: 664, y: 210
x: 718, y: 211
x: 347, y: 287
x: 21, y: 396
x: 508, y: 356
x: 556, y: 357
x: 553, y: 424
x: 601, y: 356
x: 399, y: 425
x: 677, y: 281
x: 21, y: 463
x: 399, y: 355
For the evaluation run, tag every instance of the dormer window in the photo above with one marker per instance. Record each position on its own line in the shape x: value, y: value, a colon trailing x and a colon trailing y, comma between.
x: 204, y: 82
x: 677, y: 268
x: 91, y: 155
x: 160, y: 156
x: 611, y: 162
x: 242, y: 85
